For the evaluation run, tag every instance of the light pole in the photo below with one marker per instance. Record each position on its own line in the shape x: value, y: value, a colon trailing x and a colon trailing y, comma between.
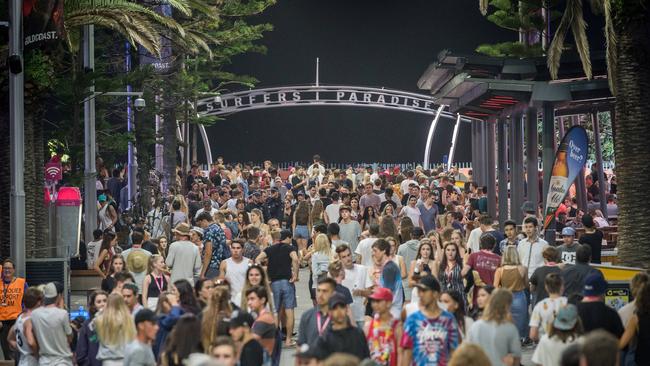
x: 17, y: 136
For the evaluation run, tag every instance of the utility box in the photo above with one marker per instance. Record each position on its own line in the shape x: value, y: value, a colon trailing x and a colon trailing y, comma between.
x: 68, y: 222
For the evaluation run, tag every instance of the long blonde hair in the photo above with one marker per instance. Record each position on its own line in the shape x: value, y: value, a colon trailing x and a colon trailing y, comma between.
x: 510, y: 256
x: 115, y: 326
x: 218, y: 308
x: 498, y: 307
x: 322, y: 245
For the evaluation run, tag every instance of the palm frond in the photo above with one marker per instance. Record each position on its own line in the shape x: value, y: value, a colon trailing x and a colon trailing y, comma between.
x: 597, y: 6
x: 610, y: 43
x: 557, y: 44
x: 204, y: 8
x: 579, y: 30
x: 483, y: 6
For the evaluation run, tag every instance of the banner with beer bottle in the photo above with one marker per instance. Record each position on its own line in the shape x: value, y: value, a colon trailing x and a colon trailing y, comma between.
x: 570, y: 159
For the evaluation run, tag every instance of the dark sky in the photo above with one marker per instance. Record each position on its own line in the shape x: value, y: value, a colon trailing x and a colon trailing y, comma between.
x: 359, y: 42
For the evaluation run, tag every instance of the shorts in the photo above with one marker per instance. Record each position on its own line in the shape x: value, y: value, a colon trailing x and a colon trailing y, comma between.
x: 284, y: 294
x: 301, y: 232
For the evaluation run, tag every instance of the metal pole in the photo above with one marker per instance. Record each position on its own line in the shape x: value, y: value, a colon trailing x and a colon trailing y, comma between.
x: 317, y: 71
x: 548, y: 155
x: 503, y: 170
x: 159, y: 146
x: 17, y: 138
x: 432, y: 130
x: 581, y: 190
x: 478, y: 170
x: 532, y: 153
x: 560, y: 125
x: 90, y: 173
x: 517, y: 173
x: 454, y: 137
x: 131, y: 164
x: 474, y: 150
x: 491, y: 168
x: 599, y: 161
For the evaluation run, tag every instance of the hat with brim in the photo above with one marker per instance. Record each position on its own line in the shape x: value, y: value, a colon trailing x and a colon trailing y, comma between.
x: 197, y: 230
x: 182, y: 229
x: 566, y: 317
x: 137, y: 261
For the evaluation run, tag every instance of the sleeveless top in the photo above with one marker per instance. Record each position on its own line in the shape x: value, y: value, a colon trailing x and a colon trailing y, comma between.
x: 156, y: 286
x: 382, y: 343
x: 27, y: 354
x: 512, y: 279
x: 236, y: 275
x: 452, y: 279
x: 642, y: 353
x: 104, y: 220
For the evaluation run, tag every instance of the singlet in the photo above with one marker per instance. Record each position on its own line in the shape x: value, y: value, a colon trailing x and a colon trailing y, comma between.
x: 382, y: 343
x: 156, y: 286
x: 27, y: 354
x: 104, y: 220
x: 512, y: 279
x: 236, y: 274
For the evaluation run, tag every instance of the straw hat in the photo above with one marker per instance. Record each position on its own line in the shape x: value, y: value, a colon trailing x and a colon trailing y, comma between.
x: 182, y: 229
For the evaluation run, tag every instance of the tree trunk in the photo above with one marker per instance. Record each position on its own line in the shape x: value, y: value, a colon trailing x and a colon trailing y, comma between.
x: 632, y: 131
x: 143, y: 133
x: 31, y: 184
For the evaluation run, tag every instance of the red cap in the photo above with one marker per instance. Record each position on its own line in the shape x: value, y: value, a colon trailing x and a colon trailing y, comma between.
x: 382, y: 293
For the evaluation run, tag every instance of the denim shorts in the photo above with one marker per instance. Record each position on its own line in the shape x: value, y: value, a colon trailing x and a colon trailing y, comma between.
x: 284, y: 294
x: 301, y: 232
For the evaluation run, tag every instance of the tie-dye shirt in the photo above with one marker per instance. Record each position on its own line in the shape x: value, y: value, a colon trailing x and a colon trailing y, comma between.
x: 431, y: 340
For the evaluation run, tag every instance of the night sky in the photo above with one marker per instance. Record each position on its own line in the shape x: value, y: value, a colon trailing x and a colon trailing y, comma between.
x: 359, y: 42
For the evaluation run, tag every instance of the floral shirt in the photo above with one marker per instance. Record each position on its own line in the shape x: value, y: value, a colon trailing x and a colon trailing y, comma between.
x: 220, y: 251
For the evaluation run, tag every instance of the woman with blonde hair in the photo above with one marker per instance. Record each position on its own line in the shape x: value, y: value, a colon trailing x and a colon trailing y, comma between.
x: 457, y: 238
x: 423, y: 264
x: 514, y: 277
x: 115, y: 329
x: 436, y: 241
x: 257, y: 220
x: 495, y: 332
x: 215, y: 316
x: 180, y: 198
x: 155, y: 283
x: 321, y: 256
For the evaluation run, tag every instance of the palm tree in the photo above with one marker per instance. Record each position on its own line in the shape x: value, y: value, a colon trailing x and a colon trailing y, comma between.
x: 628, y: 71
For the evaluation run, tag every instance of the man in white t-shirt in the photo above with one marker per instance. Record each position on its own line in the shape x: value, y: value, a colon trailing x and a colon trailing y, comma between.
x: 51, y: 329
x: 364, y: 249
x: 412, y: 212
x: 530, y: 249
x: 404, y: 186
x: 357, y: 281
x: 332, y: 210
x: 485, y: 224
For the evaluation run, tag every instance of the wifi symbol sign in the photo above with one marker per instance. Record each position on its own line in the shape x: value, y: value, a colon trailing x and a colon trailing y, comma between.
x: 53, y: 171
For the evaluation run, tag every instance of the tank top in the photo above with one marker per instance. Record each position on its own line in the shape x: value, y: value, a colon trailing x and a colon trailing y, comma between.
x: 383, y: 343
x: 27, y: 354
x: 236, y: 274
x: 156, y: 286
x: 642, y: 353
x: 512, y: 279
x: 104, y: 220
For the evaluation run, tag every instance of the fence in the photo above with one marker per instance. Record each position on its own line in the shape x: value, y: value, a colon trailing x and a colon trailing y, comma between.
x: 608, y: 165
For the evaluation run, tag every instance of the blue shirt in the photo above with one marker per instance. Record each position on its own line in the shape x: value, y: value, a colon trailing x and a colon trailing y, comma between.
x: 391, y: 278
x: 220, y: 251
x: 431, y: 340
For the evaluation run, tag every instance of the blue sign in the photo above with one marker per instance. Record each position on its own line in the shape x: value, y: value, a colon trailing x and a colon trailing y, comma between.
x: 570, y: 158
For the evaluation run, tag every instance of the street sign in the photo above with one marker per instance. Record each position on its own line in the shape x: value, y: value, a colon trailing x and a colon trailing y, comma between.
x: 53, y: 172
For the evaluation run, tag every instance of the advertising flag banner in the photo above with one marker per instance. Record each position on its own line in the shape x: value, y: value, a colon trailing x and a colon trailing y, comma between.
x: 570, y: 158
x: 42, y: 23
x: 162, y: 64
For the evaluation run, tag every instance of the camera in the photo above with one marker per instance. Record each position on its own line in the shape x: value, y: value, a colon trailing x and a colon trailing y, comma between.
x: 140, y: 104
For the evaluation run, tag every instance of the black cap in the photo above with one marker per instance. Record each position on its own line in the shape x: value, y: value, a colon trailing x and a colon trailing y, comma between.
x: 284, y: 234
x: 273, y: 189
x: 145, y: 315
x: 337, y: 299
x: 428, y: 282
x: 241, y: 319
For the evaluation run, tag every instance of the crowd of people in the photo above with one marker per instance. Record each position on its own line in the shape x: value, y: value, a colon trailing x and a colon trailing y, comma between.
x: 403, y: 268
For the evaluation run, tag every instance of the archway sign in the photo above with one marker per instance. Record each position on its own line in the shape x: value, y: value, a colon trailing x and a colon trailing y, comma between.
x: 325, y: 95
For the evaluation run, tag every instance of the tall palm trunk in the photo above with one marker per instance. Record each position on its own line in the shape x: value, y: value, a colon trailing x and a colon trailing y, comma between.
x: 632, y: 131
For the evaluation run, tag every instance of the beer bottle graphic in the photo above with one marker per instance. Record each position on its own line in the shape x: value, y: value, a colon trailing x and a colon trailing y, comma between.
x: 556, y: 189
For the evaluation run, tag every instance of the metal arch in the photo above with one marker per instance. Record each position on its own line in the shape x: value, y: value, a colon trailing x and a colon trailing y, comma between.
x: 309, y: 95
x: 206, y: 143
x: 454, y: 138
x: 432, y: 129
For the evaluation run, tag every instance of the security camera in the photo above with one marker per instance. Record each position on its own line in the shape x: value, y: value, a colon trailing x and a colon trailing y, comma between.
x: 217, y: 99
x: 140, y: 104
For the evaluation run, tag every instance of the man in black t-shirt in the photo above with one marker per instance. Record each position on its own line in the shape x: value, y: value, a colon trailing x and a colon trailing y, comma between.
x: 592, y: 237
x: 252, y: 353
x: 593, y: 311
x: 574, y: 275
x: 282, y: 267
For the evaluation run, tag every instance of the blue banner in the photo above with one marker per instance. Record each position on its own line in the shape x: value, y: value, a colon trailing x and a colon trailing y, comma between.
x: 570, y: 158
